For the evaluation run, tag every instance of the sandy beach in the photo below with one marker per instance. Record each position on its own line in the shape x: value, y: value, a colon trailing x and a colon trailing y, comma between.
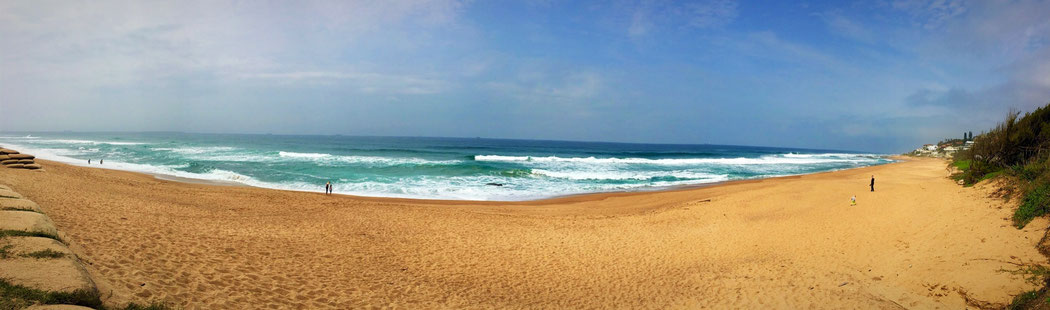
x: 919, y: 241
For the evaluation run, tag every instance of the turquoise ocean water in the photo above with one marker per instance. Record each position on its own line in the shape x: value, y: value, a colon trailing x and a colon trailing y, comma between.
x: 437, y: 168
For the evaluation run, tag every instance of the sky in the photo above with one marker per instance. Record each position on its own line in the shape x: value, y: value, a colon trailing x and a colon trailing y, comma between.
x: 879, y: 76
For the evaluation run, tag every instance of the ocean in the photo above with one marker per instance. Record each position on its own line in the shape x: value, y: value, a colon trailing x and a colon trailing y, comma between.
x: 430, y: 168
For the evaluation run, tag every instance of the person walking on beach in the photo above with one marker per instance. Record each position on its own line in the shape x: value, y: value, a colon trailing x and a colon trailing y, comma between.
x: 328, y: 188
x: 89, y: 161
x: 99, y: 161
x: 873, y: 183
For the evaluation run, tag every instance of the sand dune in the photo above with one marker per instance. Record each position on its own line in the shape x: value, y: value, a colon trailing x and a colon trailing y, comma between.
x: 920, y: 241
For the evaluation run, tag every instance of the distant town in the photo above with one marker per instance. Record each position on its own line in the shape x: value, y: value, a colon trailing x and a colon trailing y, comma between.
x: 946, y: 148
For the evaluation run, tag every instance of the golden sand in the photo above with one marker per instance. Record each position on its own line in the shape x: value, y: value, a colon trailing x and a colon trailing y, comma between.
x: 920, y: 241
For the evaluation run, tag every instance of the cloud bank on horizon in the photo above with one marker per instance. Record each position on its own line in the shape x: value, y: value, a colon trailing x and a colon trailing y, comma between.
x: 871, y: 76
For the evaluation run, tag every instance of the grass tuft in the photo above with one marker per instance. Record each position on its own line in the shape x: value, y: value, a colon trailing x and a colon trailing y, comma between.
x: 1035, y: 203
x: 20, y: 233
x: 990, y: 175
x: 13, y: 296
x: 151, y: 306
x: 1022, y: 300
x: 48, y: 253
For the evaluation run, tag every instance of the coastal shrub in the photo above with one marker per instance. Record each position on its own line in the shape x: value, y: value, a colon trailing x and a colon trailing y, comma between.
x: 990, y: 175
x: 1019, y: 147
x: 1035, y: 203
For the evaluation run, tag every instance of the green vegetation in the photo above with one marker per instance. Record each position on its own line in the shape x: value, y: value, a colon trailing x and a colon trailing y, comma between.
x: 1035, y: 203
x: 17, y: 297
x: 152, y: 306
x: 48, y: 253
x: 1019, y: 147
x: 1024, y: 300
x: 1036, y: 299
x: 19, y: 233
x: 14, y: 296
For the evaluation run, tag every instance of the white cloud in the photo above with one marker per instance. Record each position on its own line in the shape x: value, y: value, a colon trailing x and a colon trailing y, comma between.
x: 640, y: 25
x: 647, y: 16
x: 364, y: 82
x: 849, y: 28
x: 108, y: 43
x: 931, y: 13
x: 711, y: 13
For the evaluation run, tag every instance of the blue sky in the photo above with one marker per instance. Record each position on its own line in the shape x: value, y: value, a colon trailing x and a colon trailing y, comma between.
x: 883, y: 76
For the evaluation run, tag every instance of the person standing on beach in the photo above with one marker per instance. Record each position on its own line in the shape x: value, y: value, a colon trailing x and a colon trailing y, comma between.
x: 873, y: 183
x: 89, y: 161
x: 328, y: 188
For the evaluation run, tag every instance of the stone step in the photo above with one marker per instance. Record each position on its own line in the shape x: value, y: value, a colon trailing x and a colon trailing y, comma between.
x: 19, y: 204
x: 64, y: 274
x: 4, y: 193
x: 21, y: 156
x: 17, y: 247
x: 27, y: 221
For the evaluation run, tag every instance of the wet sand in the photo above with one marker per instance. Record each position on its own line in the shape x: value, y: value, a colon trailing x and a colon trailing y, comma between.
x: 920, y: 241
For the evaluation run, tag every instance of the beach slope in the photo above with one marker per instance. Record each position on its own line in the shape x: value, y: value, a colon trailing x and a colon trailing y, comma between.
x: 918, y: 241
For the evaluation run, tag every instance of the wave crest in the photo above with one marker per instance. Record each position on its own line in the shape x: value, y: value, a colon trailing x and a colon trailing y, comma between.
x: 764, y: 160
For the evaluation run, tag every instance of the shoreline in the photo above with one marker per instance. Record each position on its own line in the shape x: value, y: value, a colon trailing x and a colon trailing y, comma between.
x: 250, y: 181
x: 795, y: 239
x: 682, y: 187
x: 549, y: 200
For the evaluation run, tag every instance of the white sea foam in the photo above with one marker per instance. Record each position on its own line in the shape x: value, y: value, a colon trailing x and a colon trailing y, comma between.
x: 551, y: 175
x: 196, y: 150
x: 213, y: 175
x: 831, y: 155
x: 74, y: 141
x: 368, y: 160
x: 765, y: 160
x: 302, y: 155
x: 473, y: 188
x: 630, y: 175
